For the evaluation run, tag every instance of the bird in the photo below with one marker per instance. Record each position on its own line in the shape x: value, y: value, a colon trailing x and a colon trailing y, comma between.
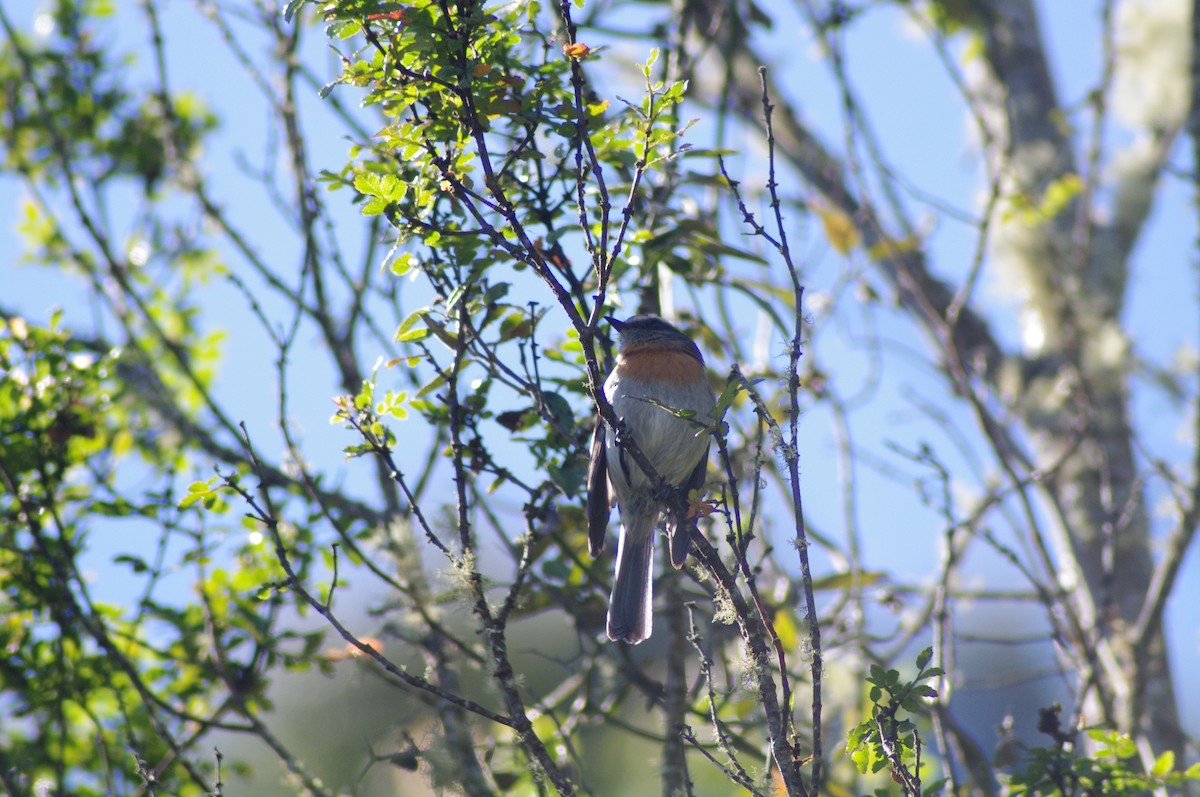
x: 660, y: 393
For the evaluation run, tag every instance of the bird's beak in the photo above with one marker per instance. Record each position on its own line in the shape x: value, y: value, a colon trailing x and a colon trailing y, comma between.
x: 616, y: 323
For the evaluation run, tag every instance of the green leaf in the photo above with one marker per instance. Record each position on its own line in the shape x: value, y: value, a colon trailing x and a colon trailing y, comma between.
x: 325, y: 91
x: 375, y: 207
x: 403, y: 264
x: 198, y: 491
x: 291, y: 8
x: 135, y: 562
x: 430, y: 386
x: 455, y: 297
x: 557, y: 568
x: 650, y: 61
x: 924, y: 657
x: 560, y: 410
x: 1163, y: 765
x: 935, y: 788
x: 413, y: 335
x: 515, y: 325
x: 406, y: 333
x: 568, y: 478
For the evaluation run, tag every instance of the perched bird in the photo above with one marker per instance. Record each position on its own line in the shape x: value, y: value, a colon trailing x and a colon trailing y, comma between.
x: 659, y: 373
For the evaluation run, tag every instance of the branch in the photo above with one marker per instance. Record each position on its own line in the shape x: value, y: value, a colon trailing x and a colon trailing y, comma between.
x: 901, y: 261
x: 1166, y: 574
x: 265, y: 514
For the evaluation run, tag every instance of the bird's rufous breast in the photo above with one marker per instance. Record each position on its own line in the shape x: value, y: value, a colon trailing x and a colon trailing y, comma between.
x: 659, y: 364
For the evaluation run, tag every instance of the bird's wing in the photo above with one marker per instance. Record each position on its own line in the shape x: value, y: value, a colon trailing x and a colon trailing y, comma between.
x: 598, y: 506
x: 680, y: 526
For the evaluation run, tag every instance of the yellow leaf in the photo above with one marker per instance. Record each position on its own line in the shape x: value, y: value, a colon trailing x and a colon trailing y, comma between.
x: 839, y: 229
x: 890, y: 247
x: 785, y: 629
x: 1059, y: 195
x: 122, y: 443
x: 577, y: 50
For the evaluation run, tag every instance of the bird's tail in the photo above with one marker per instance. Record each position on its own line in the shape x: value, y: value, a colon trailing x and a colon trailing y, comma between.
x: 629, y: 614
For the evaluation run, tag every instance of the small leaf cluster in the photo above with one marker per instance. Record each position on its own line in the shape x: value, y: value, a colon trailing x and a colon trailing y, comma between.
x: 890, y: 737
x: 468, y: 95
x: 76, y: 672
x: 86, y: 682
x: 1111, y: 768
x: 52, y: 401
x: 65, y: 96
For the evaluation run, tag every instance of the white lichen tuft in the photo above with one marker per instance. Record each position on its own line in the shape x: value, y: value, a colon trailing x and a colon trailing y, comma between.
x: 1152, y: 83
x: 1108, y: 347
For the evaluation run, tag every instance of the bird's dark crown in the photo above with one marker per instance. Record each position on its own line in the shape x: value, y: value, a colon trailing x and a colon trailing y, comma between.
x: 647, y: 329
